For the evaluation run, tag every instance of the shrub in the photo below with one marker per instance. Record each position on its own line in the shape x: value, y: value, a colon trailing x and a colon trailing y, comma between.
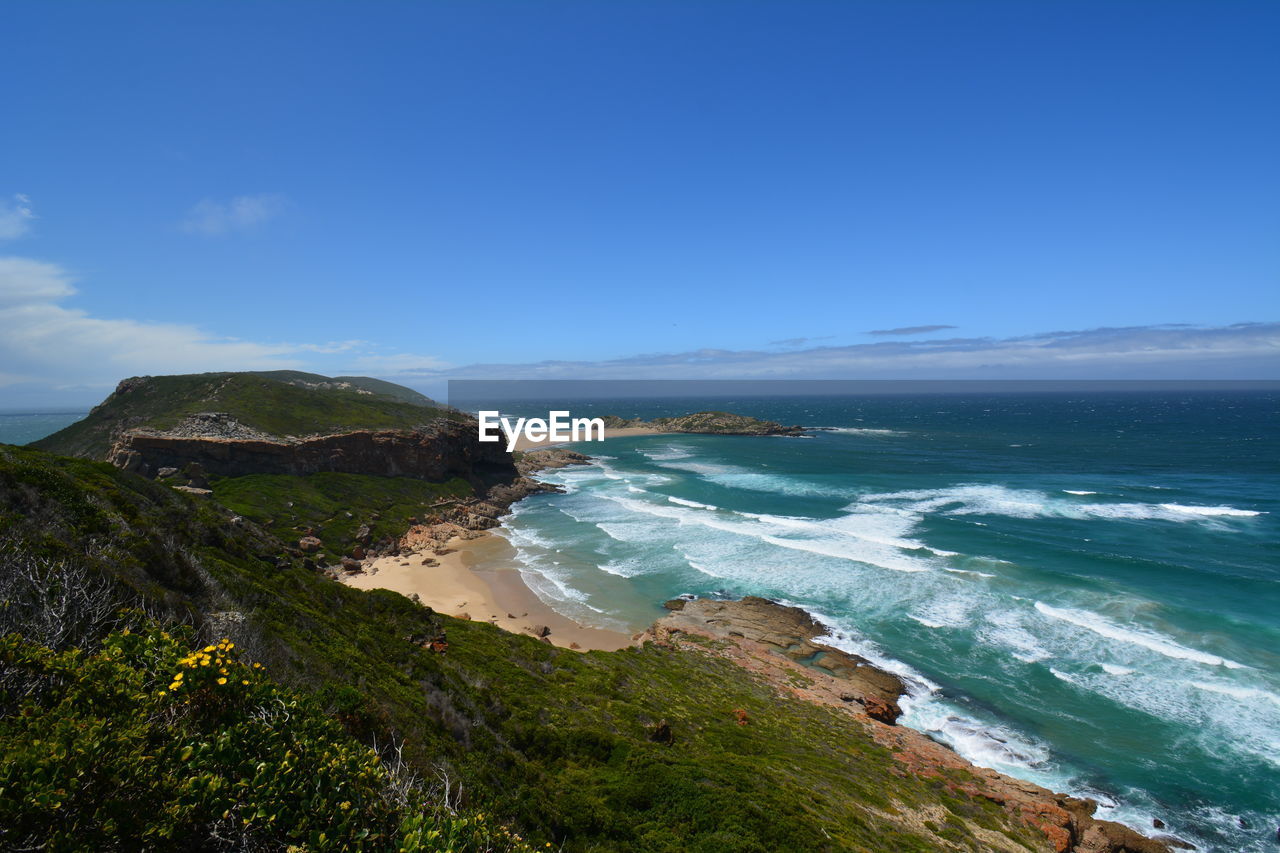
x: 149, y: 743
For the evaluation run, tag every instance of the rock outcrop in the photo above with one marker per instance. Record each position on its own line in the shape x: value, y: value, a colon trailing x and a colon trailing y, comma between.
x: 547, y: 458
x: 790, y: 632
x: 712, y: 423
x: 781, y: 645
x: 438, y: 451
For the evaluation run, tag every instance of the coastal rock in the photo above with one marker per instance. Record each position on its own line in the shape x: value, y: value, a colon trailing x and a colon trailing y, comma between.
x: 351, y: 566
x: 547, y: 458
x: 309, y: 544
x: 790, y: 632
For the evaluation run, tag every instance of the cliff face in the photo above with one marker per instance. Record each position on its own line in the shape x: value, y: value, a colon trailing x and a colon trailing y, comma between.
x: 436, y: 452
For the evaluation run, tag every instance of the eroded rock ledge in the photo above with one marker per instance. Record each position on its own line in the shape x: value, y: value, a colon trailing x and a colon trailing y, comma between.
x: 779, y: 644
x: 436, y: 451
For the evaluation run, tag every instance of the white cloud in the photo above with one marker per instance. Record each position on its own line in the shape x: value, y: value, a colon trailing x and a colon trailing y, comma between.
x: 399, y: 363
x: 1241, y: 351
x: 15, y: 217
x: 213, y: 218
x: 51, y: 353
x: 45, y: 341
x: 24, y: 281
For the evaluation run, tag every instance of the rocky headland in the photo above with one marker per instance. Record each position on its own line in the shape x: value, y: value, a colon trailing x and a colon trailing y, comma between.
x: 782, y: 645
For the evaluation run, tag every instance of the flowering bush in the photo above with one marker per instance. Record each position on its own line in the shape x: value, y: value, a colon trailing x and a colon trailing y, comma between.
x: 147, y: 743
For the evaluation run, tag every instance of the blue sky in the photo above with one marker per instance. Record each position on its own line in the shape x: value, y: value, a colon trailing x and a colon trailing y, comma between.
x: 419, y: 190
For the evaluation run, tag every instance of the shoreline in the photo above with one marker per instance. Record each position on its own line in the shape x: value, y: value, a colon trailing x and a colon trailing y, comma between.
x: 477, y: 576
x: 479, y: 579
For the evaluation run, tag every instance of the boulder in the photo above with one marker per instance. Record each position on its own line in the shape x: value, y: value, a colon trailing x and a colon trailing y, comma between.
x: 309, y: 544
x: 351, y: 566
x: 661, y: 733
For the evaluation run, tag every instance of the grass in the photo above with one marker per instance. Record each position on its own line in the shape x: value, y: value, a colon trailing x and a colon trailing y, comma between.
x: 555, y: 742
x: 335, y: 505
x: 268, y: 402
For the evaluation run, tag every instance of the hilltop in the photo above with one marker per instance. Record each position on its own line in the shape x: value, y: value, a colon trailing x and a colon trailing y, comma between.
x: 346, y: 462
x: 266, y: 405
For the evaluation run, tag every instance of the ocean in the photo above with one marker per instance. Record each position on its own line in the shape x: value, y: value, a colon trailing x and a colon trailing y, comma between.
x: 1082, y: 589
x: 24, y: 427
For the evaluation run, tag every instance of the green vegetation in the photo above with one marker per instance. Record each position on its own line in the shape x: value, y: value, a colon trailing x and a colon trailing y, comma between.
x: 149, y: 743
x: 280, y: 403
x: 564, y: 747
x: 335, y: 505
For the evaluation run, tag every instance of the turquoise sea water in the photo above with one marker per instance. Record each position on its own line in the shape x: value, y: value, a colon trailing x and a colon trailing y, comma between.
x: 1083, y: 590
x: 23, y: 427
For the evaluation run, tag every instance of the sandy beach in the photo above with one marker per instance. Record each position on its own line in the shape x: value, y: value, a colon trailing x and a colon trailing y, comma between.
x: 478, y: 579
x: 522, y: 443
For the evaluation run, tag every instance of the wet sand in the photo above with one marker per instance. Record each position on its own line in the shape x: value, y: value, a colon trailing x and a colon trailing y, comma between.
x: 479, y: 579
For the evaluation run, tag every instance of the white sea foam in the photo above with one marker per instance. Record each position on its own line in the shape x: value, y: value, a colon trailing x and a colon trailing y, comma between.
x: 969, y: 572
x: 672, y: 452
x: 1078, y: 492
x: 872, y: 538
x: 1246, y: 694
x: 1210, y: 510
x: 1168, y: 648
x: 1112, y: 669
x: 684, y: 502
x: 862, y: 431
x: 982, y: 499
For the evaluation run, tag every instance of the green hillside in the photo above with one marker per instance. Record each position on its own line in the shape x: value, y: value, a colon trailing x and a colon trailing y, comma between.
x: 278, y: 403
x: 558, y: 746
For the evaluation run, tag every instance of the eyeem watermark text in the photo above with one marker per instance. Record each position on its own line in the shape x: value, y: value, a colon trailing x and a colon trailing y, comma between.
x: 558, y: 427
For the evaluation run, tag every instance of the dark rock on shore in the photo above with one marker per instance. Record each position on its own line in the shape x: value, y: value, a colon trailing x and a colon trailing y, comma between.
x: 534, y: 461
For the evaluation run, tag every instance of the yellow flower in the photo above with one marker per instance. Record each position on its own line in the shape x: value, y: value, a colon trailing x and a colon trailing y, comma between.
x: 346, y: 804
x: 245, y: 682
x: 161, y: 693
x: 178, y: 677
x: 222, y: 681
